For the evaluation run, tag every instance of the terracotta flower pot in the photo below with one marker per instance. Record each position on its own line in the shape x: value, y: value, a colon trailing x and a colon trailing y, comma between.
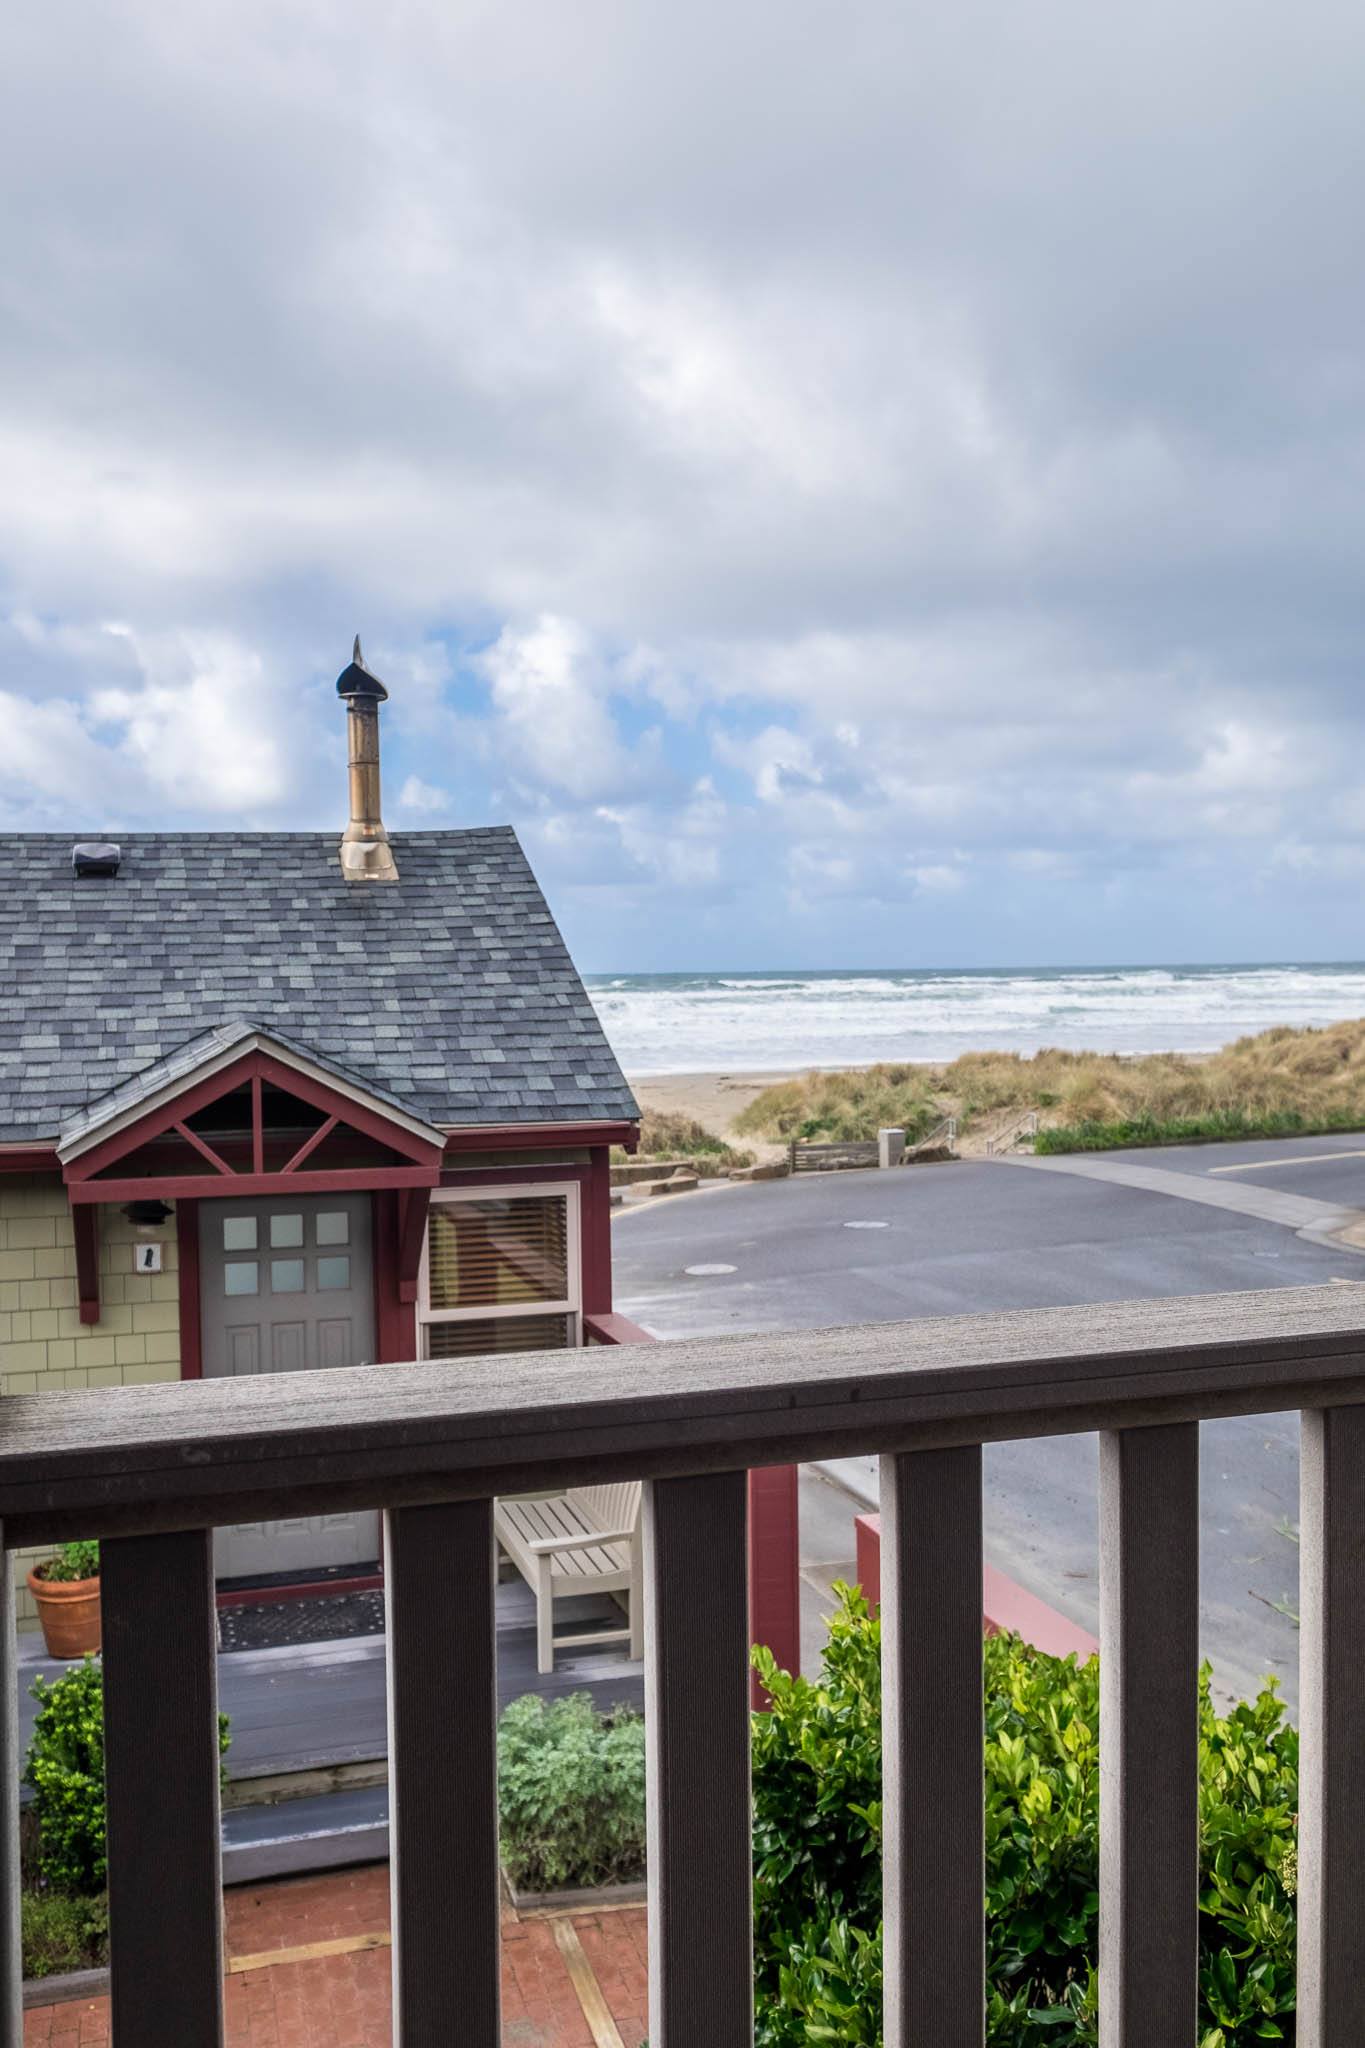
x: 69, y: 1610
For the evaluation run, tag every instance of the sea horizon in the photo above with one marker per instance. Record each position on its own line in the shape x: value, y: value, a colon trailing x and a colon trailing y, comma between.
x: 735, y: 1021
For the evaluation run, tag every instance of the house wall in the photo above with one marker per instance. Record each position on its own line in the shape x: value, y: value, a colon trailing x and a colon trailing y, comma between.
x: 44, y: 1346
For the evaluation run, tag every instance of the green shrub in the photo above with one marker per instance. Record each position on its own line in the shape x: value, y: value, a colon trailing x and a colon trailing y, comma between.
x: 571, y: 1793
x: 58, y: 1933
x: 817, y: 1887
x: 65, y: 1769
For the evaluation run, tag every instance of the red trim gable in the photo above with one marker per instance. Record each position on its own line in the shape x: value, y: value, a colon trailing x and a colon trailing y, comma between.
x: 255, y: 1067
x: 88, y: 1181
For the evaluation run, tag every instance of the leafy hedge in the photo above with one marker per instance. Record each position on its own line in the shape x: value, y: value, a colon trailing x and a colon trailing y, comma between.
x: 66, y: 1772
x: 571, y: 1793
x: 817, y: 1815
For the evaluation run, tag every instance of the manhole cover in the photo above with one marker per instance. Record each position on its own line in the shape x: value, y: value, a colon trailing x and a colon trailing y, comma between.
x: 705, y: 1272
x: 865, y: 1226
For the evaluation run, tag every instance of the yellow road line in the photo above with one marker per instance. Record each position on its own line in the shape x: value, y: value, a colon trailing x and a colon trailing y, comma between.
x: 601, y: 2025
x: 1303, y: 1159
x: 344, y: 1945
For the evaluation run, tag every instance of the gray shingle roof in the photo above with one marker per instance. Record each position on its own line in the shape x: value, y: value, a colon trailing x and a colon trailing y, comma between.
x: 451, y: 990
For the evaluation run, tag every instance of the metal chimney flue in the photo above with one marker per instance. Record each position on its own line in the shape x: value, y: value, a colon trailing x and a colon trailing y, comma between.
x: 366, y: 855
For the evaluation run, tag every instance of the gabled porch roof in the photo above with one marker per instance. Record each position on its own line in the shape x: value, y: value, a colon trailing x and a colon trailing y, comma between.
x: 199, y: 1059
x: 198, y: 1123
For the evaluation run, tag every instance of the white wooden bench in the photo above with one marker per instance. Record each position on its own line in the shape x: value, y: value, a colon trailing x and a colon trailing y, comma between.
x: 584, y: 1541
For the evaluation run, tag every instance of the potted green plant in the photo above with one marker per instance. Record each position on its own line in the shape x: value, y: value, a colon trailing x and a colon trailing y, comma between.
x: 67, y: 1592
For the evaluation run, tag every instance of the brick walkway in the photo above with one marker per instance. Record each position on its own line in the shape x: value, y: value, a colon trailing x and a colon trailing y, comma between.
x: 309, y: 1968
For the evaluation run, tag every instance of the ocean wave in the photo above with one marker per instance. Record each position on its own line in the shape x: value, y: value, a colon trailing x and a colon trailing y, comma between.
x: 737, y: 1022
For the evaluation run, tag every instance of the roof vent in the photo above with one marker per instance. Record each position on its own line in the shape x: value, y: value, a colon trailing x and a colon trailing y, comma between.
x: 95, y: 857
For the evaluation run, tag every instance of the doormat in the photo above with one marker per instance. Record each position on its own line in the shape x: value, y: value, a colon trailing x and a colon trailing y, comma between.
x: 280, y: 1623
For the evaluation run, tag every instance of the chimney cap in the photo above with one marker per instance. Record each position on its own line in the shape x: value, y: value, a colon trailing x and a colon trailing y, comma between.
x: 356, y: 680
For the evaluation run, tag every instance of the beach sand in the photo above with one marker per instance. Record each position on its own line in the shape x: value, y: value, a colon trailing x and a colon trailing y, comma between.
x: 714, y: 1100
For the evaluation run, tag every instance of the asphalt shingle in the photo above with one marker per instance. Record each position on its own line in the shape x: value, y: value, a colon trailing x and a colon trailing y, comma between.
x: 450, y: 990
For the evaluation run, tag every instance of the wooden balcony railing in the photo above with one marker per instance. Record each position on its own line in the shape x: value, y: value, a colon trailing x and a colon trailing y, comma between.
x: 153, y: 1469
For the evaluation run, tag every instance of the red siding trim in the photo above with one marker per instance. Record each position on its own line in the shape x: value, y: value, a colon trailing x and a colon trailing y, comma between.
x: 395, y: 1320
x: 774, y: 1570
x: 309, y: 1589
x: 332, y: 1102
x: 508, y: 1176
x: 257, y: 1126
x: 310, y: 1145
x: 515, y: 1137
x: 205, y: 1151
x: 413, y: 1207
x: 350, y: 1180
x: 597, y: 1234
x: 614, y: 1329
x: 86, y: 1225
x: 29, y: 1159
x: 187, y: 1259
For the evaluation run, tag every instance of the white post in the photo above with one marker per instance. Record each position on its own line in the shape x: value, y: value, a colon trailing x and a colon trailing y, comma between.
x: 890, y: 1148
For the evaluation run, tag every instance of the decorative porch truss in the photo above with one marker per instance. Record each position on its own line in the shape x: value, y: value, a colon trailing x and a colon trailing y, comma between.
x: 242, y: 1111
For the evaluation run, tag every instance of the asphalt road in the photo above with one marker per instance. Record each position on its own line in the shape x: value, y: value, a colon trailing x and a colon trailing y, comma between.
x: 945, y: 1240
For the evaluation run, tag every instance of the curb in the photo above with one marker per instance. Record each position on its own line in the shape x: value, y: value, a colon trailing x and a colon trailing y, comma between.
x: 65, y: 1990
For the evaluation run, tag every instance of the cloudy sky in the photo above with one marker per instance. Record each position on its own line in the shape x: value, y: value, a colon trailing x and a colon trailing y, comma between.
x: 862, y: 485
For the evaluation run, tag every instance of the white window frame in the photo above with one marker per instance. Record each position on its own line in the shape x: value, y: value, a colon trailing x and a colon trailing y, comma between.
x: 571, y: 1193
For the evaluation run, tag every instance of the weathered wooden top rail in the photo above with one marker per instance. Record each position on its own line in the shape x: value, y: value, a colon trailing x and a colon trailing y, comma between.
x: 154, y: 1468
x: 123, y: 1460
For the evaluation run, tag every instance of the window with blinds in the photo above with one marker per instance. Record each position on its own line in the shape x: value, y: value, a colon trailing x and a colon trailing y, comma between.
x: 500, y: 1333
x: 494, y: 1259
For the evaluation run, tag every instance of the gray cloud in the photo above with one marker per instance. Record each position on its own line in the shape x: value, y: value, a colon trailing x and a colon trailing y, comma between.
x: 974, y: 397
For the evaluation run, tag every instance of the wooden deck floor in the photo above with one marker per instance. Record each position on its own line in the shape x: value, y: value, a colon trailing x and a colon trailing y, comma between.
x: 320, y: 1705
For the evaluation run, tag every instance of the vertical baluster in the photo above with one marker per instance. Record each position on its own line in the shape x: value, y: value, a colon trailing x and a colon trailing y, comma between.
x: 11, y: 1973
x: 1149, y: 1736
x: 443, y: 1791
x: 161, y: 1767
x: 701, y: 1972
x: 1331, y: 2000
x: 933, y: 1858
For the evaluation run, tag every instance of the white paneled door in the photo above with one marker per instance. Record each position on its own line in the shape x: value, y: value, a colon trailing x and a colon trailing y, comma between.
x: 287, y: 1285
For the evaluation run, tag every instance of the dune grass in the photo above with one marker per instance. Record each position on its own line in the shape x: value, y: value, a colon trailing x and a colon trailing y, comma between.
x: 666, y: 1135
x: 839, y: 1108
x: 1282, y: 1082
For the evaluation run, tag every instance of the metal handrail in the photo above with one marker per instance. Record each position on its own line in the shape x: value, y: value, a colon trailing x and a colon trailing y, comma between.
x: 1025, y: 1126
x: 944, y: 1133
